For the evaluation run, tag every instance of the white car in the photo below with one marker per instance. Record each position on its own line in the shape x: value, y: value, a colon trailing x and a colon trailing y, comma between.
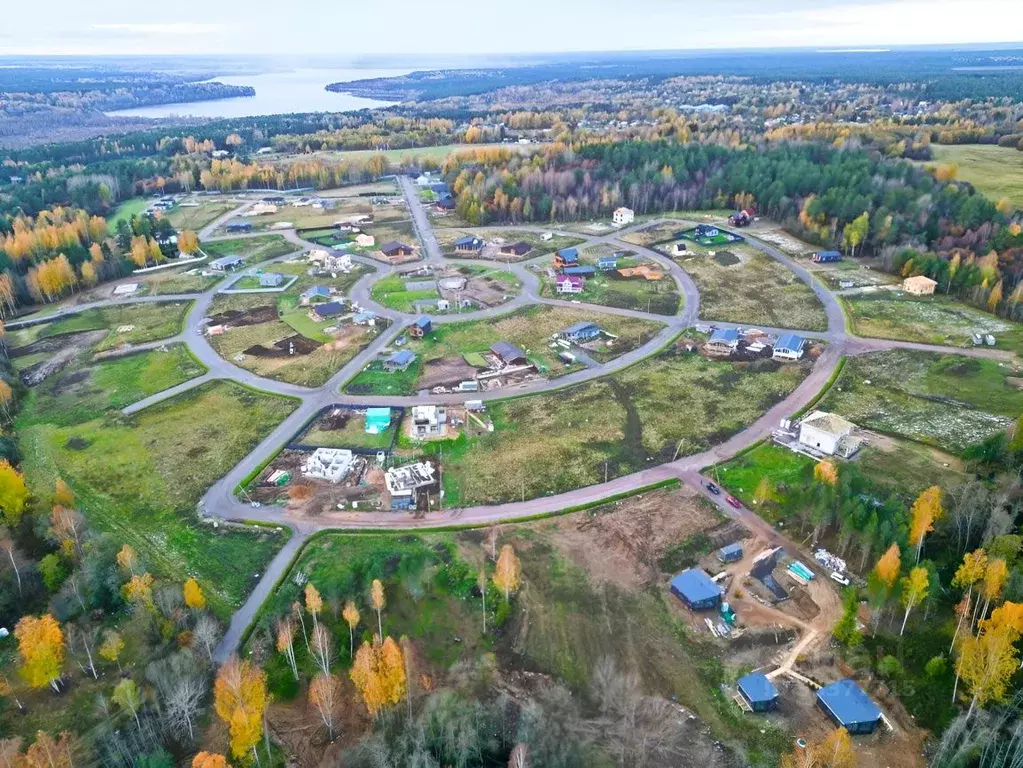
x: 835, y: 576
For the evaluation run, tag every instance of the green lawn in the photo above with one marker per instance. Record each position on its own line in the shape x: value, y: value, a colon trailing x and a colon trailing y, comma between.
x: 670, y: 405
x: 84, y: 391
x: 390, y: 292
x: 196, y: 218
x: 172, y: 283
x: 929, y: 319
x: 783, y: 468
x: 150, y: 321
x: 948, y: 401
x: 352, y: 435
x: 139, y: 478
x: 660, y: 297
x: 133, y: 207
x: 995, y: 171
x: 253, y: 250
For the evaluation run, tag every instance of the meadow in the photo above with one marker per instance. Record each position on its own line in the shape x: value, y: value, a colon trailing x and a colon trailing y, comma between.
x: 995, y: 171
x: 150, y: 321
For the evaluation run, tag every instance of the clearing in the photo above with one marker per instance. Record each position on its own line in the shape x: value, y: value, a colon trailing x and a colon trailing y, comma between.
x: 651, y: 289
x: 253, y: 250
x: 195, y: 217
x: 995, y: 171
x: 125, y: 324
x: 464, y: 288
x: 498, y: 236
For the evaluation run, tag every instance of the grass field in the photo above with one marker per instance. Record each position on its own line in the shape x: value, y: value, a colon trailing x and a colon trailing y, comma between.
x: 945, y: 400
x: 659, y: 297
x: 151, y: 321
x: 666, y: 406
x: 197, y: 218
x: 995, y: 171
x: 252, y: 249
x: 172, y: 283
x: 529, y: 329
x: 85, y: 391
x: 139, y: 478
x: 743, y: 285
x: 390, y: 291
x: 929, y: 319
x: 446, y: 239
x: 352, y: 435
x: 124, y: 212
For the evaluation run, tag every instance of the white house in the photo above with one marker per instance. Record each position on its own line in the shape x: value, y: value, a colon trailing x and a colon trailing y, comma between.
x: 789, y: 347
x: 365, y: 241
x: 547, y: 236
x: 428, y: 420
x: 623, y: 216
x: 260, y: 209
x: 403, y: 482
x: 919, y: 285
x: 331, y: 464
x: 828, y: 433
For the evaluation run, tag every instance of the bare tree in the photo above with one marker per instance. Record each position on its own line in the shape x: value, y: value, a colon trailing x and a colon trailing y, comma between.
x: 325, y: 695
x: 969, y: 506
x: 182, y: 705
x: 83, y: 634
x: 7, y: 545
x: 323, y: 648
x: 170, y: 601
x: 519, y: 757
x: 206, y: 634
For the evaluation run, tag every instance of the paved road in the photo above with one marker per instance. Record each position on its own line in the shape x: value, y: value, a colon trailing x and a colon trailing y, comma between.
x: 220, y: 501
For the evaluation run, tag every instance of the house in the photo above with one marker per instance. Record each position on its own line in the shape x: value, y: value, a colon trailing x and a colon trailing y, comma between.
x: 723, y: 341
x: 741, y: 218
x: 330, y: 464
x: 849, y: 707
x: 547, y: 237
x: 581, y: 331
x: 394, y: 248
x: 919, y: 285
x: 263, y: 209
x: 508, y: 353
x: 730, y: 553
x: 346, y: 226
x: 607, y: 263
x: 428, y: 420
x: 272, y: 200
x: 219, y: 154
x: 238, y: 226
x: 789, y: 347
x: 399, y: 361
x: 440, y: 189
x: 313, y: 294
x: 265, y: 151
x: 446, y: 203
x: 569, y: 284
x: 679, y: 249
x: 469, y: 245
x: 696, y: 590
x: 581, y: 270
x: 420, y: 327
x: 827, y: 433
x: 226, y: 263
x: 566, y: 257
x: 623, y: 216
x: 377, y: 420
x: 365, y: 241
x: 405, y: 483
x: 758, y: 692
x: 365, y: 318
x: 516, y: 249
x: 706, y: 230
x: 271, y: 280
x: 826, y: 257
x: 329, y: 310
x: 424, y: 179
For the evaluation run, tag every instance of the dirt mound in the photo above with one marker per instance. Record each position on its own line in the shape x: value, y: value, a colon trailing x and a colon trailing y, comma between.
x: 67, y: 347
x: 446, y: 372
x: 240, y: 317
x: 287, y: 347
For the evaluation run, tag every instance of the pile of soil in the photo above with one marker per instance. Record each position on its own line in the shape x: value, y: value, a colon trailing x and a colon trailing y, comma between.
x: 240, y: 317
x: 283, y: 348
x: 65, y: 348
x: 336, y: 420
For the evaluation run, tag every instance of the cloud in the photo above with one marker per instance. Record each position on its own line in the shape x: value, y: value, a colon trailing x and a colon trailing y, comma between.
x: 152, y: 29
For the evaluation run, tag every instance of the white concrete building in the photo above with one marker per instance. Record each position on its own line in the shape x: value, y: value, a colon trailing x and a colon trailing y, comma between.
x: 623, y: 216
x: 403, y: 482
x: 828, y: 434
x: 331, y: 464
x: 428, y: 420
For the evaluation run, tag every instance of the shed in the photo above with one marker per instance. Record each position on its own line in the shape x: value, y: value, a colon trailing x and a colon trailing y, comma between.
x: 696, y: 590
x: 508, y: 353
x: 827, y: 257
x: 420, y: 327
x: 730, y: 553
x: 582, y: 270
x: 758, y: 691
x: 607, y: 263
x: 919, y: 285
x: 271, y: 279
x: 377, y: 420
x: 849, y: 706
x: 581, y: 331
x: 520, y: 248
x: 330, y: 309
x: 224, y: 263
x: 399, y: 361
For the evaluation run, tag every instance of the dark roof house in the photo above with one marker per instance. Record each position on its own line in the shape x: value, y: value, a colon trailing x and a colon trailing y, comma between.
x: 849, y: 707
x: 758, y: 691
x: 399, y: 361
x: 581, y: 331
x: 516, y: 249
x: 582, y: 270
x: 696, y: 590
x: 330, y: 309
x: 238, y: 226
x: 394, y: 248
x: 508, y: 352
x: 469, y: 244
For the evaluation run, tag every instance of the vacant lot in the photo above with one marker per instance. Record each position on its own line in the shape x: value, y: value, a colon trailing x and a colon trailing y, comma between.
x: 498, y: 237
x: 346, y: 428
x: 253, y: 250
x: 140, y: 478
x: 742, y: 285
x: 485, y: 286
x: 659, y: 297
x: 173, y: 283
x: 138, y: 323
x: 668, y: 406
x: 946, y: 400
x: 995, y: 171
x: 133, y: 207
x: 195, y: 218
x: 928, y: 319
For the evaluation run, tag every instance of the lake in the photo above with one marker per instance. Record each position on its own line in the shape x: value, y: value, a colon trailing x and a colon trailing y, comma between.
x: 298, y: 90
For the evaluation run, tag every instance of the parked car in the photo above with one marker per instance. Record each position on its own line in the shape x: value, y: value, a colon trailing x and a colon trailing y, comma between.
x: 836, y: 576
x: 733, y: 501
x: 713, y: 489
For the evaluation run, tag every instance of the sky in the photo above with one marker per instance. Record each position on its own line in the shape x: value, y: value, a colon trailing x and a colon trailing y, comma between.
x: 347, y: 29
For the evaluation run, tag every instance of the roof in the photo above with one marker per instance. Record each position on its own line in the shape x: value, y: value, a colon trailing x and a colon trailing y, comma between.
x: 756, y: 687
x: 239, y: 225
x: 506, y: 350
x: 831, y: 423
x: 569, y: 254
x: 472, y: 241
x: 402, y: 357
x: 585, y: 269
x: 606, y: 259
x: 422, y: 322
x: 848, y: 703
x: 394, y: 245
x: 695, y: 585
x: 317, y: 290
x: 828, y: 254
x: 364, y: 316
x: 731, y: 549
x: 519, y: 248
x: 573, y: 279
x: 224, y: 261
x: 919, y: 280
x: 330, y: 309
x: 790, y: 341
x: 582, y: 325
x: 724, y: 336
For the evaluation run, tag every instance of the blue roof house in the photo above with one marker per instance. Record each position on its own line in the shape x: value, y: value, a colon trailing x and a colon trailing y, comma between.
x: 582, y: 270
x: 849, y: 707
x: 827, y: 257
x: 420, y: 327
x: 724, y: 338
x: 758, y: 692
x: 316, y: 292
x: 607, y: 263
x: 270, y: 279
x: 696, y: 590
x: 789, y: 347
x: 730, y: 553
x: 581, y: 331
x: 399, y: 361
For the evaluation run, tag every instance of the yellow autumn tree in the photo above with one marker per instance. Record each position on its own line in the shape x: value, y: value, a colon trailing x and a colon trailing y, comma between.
x: 508, y: 573
x: 351, y: 616
x: 379, y: 674
x: 194, y: 597
x: 967, y: 576
x: 111, y: 648
x: 325, y: 695
x: 188, y: 241
x: 139, y: 590
x: 988, y: 661
x: 995, y: 576
x: 41, y: 647
x: 313, y: 602
x: 378, y: 601
x: 13, y: 494
x: 240, y: 699
x: 926, y: 511
x: 63, y: 496
x: 210, y: 760
x: 914, y: 590
x: 128, y: 558
x: 826, y: 472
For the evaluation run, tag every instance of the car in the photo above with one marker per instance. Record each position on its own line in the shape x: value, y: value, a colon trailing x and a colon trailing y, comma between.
x: 733, y: 501
x: 713, y: 489
x: 835, y: 576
